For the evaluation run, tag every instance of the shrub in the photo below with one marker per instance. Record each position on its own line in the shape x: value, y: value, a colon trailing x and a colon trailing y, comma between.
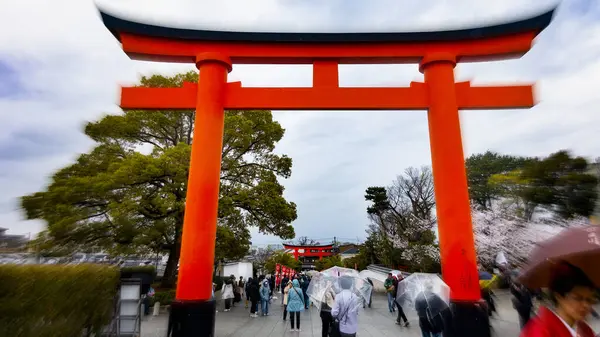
x: 164, y: 297
x: 51, y: 300
x: 139, y: 270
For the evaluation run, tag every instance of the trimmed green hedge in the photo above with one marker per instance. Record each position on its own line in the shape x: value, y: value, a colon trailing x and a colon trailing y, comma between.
x: 52, y: 300
x: 164, y: 297
x: 139, y: 269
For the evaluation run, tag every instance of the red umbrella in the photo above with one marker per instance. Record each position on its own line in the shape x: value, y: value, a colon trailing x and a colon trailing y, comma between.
x: 579, y: 246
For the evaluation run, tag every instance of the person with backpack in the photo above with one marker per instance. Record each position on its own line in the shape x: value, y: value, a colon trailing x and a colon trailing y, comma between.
x: 345, y: 310
x: 295, y: 304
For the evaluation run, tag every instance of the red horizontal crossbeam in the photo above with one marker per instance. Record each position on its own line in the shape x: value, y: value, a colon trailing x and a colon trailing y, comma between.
x: 414, y: 97
x: 487, y: 49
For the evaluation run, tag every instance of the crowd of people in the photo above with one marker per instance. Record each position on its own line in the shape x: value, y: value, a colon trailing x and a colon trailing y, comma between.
x: 260, y: 290
x: 571, y: 292
x: 341, y: 308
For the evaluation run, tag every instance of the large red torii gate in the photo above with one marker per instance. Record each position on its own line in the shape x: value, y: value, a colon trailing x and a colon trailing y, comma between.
x: 437, y: 53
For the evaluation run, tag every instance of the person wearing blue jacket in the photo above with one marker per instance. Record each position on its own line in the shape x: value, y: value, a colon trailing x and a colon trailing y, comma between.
x: 265, y: 296
x: 295, y: 304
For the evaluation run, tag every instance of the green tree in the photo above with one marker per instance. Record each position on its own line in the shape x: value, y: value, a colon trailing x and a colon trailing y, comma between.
x: 513, y: 187
x: 480, y: 167
x: 360, y: 260
x: 328, y: 262
x: 562, y: 183
x: 282, y: 258
x: 128, y: 194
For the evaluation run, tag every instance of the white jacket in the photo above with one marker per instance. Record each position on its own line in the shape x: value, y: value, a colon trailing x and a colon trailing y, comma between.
x: 226, y: 291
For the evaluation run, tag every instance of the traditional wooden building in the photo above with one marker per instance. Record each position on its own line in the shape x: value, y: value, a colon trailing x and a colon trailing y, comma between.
x: 308, y: 255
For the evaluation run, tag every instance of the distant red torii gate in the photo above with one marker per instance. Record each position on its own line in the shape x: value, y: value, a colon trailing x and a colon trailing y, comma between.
x: 437, y: 53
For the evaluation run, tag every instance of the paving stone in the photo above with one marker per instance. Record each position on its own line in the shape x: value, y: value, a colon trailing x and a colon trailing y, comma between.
x: 374, y: 322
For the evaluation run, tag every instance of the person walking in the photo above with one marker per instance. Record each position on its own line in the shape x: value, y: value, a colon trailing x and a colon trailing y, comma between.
x: 236, y: 294
x: 345, y: 309
x: 389, y: 289
x: 522, y: 301
x: 372, y: 290
x: 227, y: 294
x: 304, y: 285
x: 240, y: 285
x: 326, y: 306
x: 265, y: 296
x: 295, y: 304
x: 286, y: 290
x: 401, y: 315
x: 284, y: 283
x: 271, y: 285
x: 254, y: 290
x: 432, y: 312
x: 247, y: 290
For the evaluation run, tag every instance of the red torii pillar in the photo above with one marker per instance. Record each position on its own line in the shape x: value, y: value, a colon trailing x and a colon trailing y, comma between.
x: 193, y: 312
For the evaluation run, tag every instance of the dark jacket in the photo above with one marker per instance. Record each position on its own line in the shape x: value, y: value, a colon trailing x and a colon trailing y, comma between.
x: 395, y: 282
x: 254, y: 291
x: 522, y: 299
x: 272, y: 284
x: 433, y: 312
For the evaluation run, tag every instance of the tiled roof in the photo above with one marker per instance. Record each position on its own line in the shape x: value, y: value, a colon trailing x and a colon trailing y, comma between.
x: 352, y: 250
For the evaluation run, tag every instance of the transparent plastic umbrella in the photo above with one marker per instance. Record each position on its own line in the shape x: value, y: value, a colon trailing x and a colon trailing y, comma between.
x: 340, y: 271
x: 425, y: 293
x: 322, y: 283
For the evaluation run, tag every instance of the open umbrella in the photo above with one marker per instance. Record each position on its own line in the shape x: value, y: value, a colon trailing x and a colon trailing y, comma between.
x: 340, y: 271
x: 486, y: 280
x: 323, y: 282
x: 427, y: 292
x: 580, y: 246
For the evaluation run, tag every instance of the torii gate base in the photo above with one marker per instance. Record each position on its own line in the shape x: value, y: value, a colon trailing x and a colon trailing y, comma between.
x: 193, y: 313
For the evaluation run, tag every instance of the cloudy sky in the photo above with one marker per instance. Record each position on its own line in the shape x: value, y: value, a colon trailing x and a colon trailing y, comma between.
x: 59, y: 68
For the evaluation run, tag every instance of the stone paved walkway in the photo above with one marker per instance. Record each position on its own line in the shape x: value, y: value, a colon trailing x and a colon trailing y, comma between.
x: 374, y: 322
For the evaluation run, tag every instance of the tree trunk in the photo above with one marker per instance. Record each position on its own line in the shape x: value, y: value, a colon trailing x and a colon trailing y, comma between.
x: 170, y: 276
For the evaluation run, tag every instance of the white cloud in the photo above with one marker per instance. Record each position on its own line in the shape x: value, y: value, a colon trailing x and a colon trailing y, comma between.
x: 72, y: 67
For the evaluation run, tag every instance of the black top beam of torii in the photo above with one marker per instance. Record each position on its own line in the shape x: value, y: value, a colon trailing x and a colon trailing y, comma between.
x: 532, y: 24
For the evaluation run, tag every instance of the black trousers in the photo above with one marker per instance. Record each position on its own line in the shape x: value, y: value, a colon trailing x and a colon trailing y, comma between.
x: 253, y: 306
x: 297, y: 314
x: 401, y: 314
x: 326, y: 319
x: 524, y: 318
x: 228, y: 303
x: 285, y: 311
